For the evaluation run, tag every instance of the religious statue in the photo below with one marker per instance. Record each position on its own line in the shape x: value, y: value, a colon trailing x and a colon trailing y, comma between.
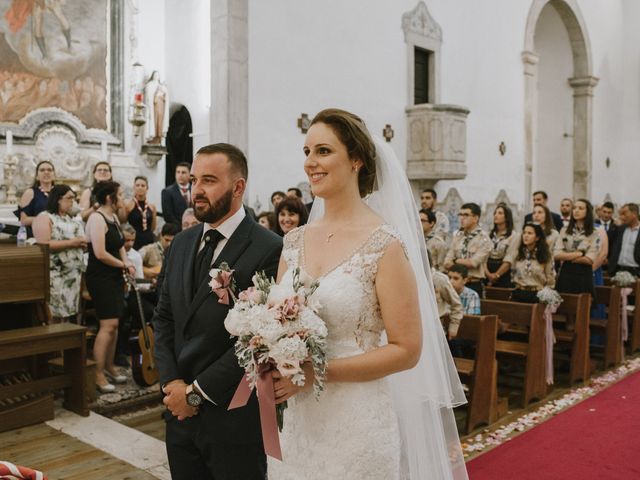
x: 156, y: 98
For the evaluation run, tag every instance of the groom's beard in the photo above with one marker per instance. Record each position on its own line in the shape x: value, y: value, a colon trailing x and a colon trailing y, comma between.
x: 213, y: 213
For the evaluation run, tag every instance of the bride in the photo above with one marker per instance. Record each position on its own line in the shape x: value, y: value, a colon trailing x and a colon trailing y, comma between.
x: 387, y: 409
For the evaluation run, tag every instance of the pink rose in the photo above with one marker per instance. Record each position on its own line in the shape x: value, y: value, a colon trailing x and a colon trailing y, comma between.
x: 251, y: 294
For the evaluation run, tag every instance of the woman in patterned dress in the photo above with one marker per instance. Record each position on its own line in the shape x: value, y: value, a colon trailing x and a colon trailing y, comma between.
x: 66, y: 240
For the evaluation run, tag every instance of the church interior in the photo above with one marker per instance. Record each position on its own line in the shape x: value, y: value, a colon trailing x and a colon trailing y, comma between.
x: 504, y: 106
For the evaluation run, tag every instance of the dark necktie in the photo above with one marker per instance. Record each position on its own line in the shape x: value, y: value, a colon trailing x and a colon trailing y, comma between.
x: 204, y: 258
x: 185, y: 195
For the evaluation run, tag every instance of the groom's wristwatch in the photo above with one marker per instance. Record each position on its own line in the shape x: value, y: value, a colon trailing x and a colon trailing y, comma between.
x: 194, y: 397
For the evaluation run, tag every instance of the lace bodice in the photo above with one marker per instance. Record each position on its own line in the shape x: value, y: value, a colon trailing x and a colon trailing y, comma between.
x: 347, y: 295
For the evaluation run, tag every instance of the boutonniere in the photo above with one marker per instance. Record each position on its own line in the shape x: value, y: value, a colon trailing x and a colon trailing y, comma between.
x: 222, y: 283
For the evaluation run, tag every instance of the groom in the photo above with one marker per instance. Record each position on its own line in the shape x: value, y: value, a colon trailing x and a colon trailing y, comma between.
x: 194, y: 353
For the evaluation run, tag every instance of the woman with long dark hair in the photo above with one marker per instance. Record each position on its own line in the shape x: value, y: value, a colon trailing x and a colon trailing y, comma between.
x: 64, y: 235
x: 542, y: 216
x: 141, y: 214
x: 88, y: 205
x: 34, y: 199
x: 105, y: 282
x: 502, y: 236
x: 531, y: 264
x: 577, y: 248
x: 290, y: 213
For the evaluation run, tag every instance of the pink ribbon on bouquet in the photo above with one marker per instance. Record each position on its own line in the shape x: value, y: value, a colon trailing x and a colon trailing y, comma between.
x: 267, y: 405
x: 550, y: 339
x: 624, y: 325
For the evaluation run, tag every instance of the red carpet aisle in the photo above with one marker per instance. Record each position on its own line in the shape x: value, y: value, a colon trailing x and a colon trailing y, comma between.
x: 597, y: 439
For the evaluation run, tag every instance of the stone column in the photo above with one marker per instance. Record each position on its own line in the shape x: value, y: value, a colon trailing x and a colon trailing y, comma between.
x: 582, y: 133
x: 230, y: 72
x: 530, y: 61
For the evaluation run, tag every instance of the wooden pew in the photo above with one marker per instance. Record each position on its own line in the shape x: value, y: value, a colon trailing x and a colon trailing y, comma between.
x: 482, y: 370
x: 613, y: 351
x: 529, y: 316
x: 18, y: 345
x: 576, y: 309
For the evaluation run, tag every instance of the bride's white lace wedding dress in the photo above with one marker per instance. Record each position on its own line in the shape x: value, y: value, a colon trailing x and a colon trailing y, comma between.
x: 351, y: 431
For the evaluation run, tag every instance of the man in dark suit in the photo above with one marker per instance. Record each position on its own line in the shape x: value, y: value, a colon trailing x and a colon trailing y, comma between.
x: 194, y: 353
x: 540, y: 198
x: 605, y: 219
x: 625, y: 251
x: 176, y: 198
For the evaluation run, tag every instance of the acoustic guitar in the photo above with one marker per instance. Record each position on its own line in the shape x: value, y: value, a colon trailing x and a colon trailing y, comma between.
x: 143, y: 366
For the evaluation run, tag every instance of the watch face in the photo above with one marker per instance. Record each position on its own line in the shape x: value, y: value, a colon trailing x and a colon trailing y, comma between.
x: 194, y: 400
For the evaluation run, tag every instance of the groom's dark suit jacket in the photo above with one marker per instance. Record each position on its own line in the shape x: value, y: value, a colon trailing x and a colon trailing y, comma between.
x: 191, y: 342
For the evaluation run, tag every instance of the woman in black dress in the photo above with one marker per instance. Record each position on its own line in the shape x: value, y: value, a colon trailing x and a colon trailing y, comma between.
x: 34, y: 199
x: 107, y: 263
x: 141, y: 214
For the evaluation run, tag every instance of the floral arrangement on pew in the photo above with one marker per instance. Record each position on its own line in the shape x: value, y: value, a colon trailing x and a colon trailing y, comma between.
x: 625, y: 281
x: 277, y: 327
x: 552, y: 299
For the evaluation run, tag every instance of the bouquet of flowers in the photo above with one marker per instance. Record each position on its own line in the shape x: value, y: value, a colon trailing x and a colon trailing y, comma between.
x: 549, y: 296
x: 278, y: 327
x: 623, y: 279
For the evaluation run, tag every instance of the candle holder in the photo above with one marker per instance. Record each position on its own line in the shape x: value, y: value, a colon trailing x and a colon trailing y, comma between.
x: 137, y: 114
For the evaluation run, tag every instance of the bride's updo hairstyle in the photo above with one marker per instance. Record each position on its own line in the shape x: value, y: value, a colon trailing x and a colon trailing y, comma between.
x: 353, y: 133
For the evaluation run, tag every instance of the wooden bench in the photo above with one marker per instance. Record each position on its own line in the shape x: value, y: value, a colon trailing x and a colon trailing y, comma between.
x: 633, y: 341
x: 528, y: 317
x: 25, y: 344
x: 574, y: 311
x: 481, y: 371
x: 610, y: 297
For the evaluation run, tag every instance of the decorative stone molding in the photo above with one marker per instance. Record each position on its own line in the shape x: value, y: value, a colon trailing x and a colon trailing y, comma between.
x: 28, y: 128
x: 420, y: 22
x: 450, y: 206
x: 437, y: 138
x: 583, y: 85
x: 152, y: 153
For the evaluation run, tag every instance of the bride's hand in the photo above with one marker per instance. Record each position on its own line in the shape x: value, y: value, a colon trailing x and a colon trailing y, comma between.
x: 284, y: 388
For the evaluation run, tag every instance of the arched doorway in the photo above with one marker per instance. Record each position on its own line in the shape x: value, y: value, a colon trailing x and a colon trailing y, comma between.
x: 179, y: 140
x: 559, y: 85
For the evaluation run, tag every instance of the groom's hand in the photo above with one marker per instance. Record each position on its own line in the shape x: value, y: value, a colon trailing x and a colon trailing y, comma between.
x: 176, y: 400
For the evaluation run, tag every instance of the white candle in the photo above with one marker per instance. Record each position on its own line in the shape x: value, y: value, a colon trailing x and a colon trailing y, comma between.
x: 9, y: 142
x: 103, y: 149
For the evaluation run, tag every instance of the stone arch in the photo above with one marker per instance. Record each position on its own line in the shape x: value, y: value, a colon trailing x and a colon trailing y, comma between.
x: 582, y: 82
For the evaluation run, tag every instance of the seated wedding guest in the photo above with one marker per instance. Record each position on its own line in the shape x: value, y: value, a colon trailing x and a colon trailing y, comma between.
x: 66, y: 240
x: 448, y: 301
x: 88, y: 205
x: 435, y: 245
x: 176, y: 198
x: 502, y: 236
x: 566, y: 205
x: 294, y: 192
x: 542, y: 216
x: 267, y: 220
x: 531, y: 264
x: 189, y: 219
x: 107, y: 263
x: 625, y: 251
x: 153, y: 254
x: 277, y: 197
x: 577, y: 248
x: 290, y: 213
x: 470, y: 247
x: 428, y: 201
x: 141, y: 214
x: 132, y: 254
x: 459, y: 278
x: 540, y: 198
x: 34, y: 199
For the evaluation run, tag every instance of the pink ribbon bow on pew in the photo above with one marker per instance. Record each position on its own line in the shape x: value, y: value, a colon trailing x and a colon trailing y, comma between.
x: 550, y: 338
x: 11, y: 471
x: 624, y: 325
